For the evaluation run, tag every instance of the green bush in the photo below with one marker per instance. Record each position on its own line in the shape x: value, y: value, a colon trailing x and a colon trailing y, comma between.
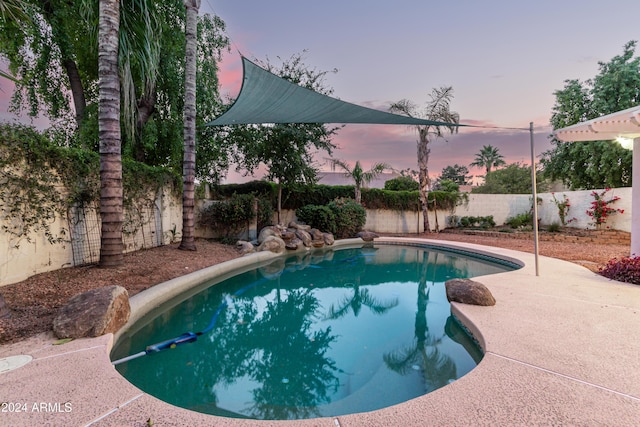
x: 350, y: 217
x: 321, y: 217
x: 265, y: 212
x: 228, y: 216
x: 483, y: 222
x: 343, y: 217
x: 372, y: 198
x: 375, y: 198
x: 520, y: 220
x: 554, y: 227
x: 402, y: 183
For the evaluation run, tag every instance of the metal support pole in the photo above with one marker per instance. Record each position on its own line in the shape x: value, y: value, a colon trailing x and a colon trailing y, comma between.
x: 534, y: 192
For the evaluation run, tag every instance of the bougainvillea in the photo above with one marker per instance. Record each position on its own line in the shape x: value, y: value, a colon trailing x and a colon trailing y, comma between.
x: 625, y: 269
x: 600, y: 209
x: 563, y: 208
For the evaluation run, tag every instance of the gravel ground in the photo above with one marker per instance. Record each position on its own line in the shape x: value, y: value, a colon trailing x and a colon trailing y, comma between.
x: 34, y: 302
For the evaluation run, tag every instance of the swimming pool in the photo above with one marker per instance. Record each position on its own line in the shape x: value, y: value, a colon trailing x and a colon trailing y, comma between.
x: 317, y: 334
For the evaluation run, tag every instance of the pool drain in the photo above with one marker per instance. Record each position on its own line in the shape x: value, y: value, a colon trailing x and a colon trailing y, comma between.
x: 14, y: 362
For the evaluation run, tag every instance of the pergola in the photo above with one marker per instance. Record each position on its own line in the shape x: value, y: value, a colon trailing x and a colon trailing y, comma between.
x: 622, y: 126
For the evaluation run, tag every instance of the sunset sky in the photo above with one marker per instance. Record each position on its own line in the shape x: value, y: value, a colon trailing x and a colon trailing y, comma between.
x: 504, y: 60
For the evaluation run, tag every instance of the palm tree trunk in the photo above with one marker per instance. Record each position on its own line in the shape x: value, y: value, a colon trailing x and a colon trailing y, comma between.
x: 111, y: 214
x: 189, y: 163
x: 423, y: 177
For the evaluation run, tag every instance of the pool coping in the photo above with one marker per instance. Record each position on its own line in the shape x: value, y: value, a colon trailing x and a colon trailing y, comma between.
x: 560, y: 348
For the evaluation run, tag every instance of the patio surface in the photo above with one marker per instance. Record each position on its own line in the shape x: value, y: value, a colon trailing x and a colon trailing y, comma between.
x: 562, y: 348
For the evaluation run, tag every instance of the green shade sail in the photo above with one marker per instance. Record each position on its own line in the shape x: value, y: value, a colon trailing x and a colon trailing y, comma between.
x: 267, y: 98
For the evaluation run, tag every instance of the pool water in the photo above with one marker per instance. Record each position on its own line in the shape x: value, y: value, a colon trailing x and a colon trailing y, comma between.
x: 321, y: 334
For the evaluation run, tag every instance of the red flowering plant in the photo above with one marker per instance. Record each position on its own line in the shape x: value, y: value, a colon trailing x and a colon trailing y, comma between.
x: 600, y: 209
x: 625, y: 269
x: 563, y: 209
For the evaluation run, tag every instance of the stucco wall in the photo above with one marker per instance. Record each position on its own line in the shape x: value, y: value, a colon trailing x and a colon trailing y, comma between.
x: 21, y: 259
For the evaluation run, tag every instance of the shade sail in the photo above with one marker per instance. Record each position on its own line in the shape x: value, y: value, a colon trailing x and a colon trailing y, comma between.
x: 267, y: 98
x: 625, y: 124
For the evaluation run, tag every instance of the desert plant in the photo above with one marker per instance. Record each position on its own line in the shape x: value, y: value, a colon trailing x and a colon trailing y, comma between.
x: 626, y: 269
x: 483, y: 222
x: 554, y: 227
x: 520, y: 220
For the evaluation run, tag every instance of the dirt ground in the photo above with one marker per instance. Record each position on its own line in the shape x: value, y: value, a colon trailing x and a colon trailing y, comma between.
x: 34, y: 302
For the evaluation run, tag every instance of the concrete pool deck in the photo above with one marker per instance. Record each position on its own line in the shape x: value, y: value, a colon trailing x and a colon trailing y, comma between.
x: 562, y: 348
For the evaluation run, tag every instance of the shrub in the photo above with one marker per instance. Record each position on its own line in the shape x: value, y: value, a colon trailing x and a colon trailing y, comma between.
x: 343, y: 217
x: 520, y: 220
x: 350, y: 217
x: 228, y: 216
x: 402, y: 183
x: 483, y: 222
x: 321, y: 217
x: 625, y: 269
x: 553, y: 227
x: 265, y: 212
x: 600, y: 208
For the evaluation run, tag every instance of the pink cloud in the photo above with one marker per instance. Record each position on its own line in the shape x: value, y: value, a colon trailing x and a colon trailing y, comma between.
x: 230, y: 75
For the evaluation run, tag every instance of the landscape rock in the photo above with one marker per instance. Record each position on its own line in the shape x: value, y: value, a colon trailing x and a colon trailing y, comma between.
x: 467, y: 291
x: 293, y: 244
x: 297, y: 226
x: 316, y: 234
x: 305, y: 237
x: 367, y: 236
x: 317, y: 243
x: 93, y: 313
x: 328, y: 239
x: 268, y: 231
x: 245, y: 247
x: 287, y: 235
x: 272, y: 243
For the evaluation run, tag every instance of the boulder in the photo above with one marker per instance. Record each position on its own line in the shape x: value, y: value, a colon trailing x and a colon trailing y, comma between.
x: 317, y: 243
x: 287, y: 235
x: 305, y: 237
x: 467, y: 291
x: 245, y: 247
x: 297, y: 226
x: 316, y: 234
x: 293, y: 244
x: 268, y: 231
x: 93, y: 313
x: 273, y: 244
x: 367, y: 236
x: 328, y: 239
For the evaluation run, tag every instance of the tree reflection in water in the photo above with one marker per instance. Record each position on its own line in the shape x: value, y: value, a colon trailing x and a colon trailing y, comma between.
x: 437, y: 368
x: 271, y: 356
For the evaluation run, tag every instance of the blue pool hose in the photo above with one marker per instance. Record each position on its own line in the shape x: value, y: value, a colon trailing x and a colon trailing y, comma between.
x: 187, y: 336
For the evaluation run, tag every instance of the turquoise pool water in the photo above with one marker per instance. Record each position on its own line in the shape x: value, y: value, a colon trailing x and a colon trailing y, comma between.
x: 321, y: 334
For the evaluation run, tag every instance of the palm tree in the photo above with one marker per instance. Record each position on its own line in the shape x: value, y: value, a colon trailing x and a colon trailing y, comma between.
x: 437, y: 109
x: 488, y: 158
x: 189, y: 163
x: 359, y: 176
x: 111, y: 246
x: 13, y: 10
